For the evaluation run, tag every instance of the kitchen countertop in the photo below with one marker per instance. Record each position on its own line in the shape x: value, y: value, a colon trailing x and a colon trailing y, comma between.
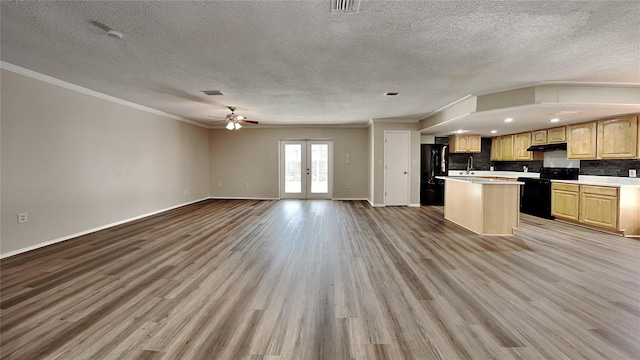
x: 478, y: 180
x: 505, y: 174
x: 603, y: 181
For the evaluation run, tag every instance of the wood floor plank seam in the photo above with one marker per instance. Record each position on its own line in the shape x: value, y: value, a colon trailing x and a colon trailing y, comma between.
x: 302, y: 279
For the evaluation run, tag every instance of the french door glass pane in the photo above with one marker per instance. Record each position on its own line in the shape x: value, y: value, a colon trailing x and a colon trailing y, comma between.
x: 319, y: 168
x: 293, y: 168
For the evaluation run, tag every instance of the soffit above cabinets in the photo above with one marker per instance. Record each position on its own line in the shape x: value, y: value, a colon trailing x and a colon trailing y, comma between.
x: 532, y: 108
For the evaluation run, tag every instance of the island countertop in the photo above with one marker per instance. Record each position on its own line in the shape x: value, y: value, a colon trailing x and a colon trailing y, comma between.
x: 479, y: 180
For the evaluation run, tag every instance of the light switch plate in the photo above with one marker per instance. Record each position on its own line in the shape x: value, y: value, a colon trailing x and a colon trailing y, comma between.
x: 632, y: 173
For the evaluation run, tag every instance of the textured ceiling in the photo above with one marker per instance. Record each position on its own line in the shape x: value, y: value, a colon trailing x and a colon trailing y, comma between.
x: 284, y: 62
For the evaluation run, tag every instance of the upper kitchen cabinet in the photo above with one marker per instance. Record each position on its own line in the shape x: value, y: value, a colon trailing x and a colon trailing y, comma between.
x: 496, y: 148
x: 581, y: 141
x: 506, y: 146
x: 521, y: 142
x: 618, y: 138
x: 539, y: 137
x: 556, y: 135
x: 548, y: 136
x: 464, y: 143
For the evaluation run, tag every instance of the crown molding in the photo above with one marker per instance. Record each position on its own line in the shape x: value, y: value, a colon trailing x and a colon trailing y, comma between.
x: 48, y: 79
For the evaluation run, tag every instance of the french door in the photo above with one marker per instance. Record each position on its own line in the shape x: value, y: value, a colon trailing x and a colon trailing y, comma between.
x: 306, y: 169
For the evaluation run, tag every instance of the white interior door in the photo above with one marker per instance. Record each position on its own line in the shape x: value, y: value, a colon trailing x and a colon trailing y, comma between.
x: 396, y: 165
x: 306, y: 169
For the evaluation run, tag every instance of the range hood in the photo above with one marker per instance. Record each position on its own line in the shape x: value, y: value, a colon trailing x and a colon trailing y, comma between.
x: 548, y: 147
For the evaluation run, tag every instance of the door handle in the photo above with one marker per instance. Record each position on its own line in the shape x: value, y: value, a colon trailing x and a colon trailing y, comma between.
x: 405, y: 172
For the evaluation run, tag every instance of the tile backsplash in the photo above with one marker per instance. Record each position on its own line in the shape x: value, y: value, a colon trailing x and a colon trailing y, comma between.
x: 608, y: 167
x: 482, y: 161
x: 532, y: 166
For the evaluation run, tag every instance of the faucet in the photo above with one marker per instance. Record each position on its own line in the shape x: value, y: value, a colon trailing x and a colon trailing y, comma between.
x: 470, y: 164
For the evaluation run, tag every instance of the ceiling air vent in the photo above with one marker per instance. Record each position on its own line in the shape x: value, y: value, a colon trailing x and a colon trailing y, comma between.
x: 345, y: 6
x: 392, y: 93
x: 213, y: 92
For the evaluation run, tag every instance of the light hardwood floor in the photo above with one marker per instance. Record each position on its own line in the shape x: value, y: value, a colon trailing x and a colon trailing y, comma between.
x: 322, y: 280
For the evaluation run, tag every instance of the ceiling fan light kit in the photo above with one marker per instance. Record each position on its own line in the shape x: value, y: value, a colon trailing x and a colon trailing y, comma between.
x: 233, y: 120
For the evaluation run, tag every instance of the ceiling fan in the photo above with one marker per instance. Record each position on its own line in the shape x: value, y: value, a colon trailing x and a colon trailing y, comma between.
x: 234, y: 120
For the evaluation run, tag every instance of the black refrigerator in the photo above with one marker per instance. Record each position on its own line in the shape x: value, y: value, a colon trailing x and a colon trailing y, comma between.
x: 434, y: 161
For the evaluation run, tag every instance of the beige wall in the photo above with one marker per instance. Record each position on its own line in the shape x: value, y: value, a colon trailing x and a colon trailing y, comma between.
x: 75, y: 162
x: 378, y: 160
x: 251, y: 156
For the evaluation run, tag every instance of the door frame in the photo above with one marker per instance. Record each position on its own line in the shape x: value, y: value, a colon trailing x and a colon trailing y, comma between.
x: 306, y: 149
x: 408, y: 185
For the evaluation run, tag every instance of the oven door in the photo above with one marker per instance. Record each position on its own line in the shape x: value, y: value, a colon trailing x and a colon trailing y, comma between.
x: 535, y: 197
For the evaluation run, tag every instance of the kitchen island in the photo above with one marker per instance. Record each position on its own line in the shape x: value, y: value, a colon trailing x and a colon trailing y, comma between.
x: 484, y: 206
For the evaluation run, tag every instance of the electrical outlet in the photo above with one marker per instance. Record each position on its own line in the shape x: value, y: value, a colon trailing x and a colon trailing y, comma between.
x: 246, y: 185
x: 22, y: 218
x: 219, y: 184
x: 632, y: 173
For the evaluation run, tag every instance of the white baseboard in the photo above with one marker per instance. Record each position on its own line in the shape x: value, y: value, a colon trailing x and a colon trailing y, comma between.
x: 374, y: 205
x: 85, y: 232
x: 383, y: 205
x: 240, y: 198
x: 350, y: 199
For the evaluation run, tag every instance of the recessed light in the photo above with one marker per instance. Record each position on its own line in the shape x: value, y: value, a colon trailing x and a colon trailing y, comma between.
x: 392, y: 93
x: 508, y: 120
x: 460, y: 131
x: 554, y: 120
x: 494, y: 131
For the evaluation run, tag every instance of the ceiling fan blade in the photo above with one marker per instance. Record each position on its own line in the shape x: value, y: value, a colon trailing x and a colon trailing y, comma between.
x: 249, y: 121
x: 100, y: 25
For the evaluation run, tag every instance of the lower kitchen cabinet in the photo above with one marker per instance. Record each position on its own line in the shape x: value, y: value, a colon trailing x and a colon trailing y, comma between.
x: 565, y: 201
x: 610, y: 208
x: 599, y: 206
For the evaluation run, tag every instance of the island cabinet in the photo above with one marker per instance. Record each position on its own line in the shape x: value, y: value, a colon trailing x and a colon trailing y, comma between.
x: 618, y: 138
x: 611, y: 208
x: 556, y: 135
x: 484, y: 206
x: 464, y: 143
x: 581, y: 141
x: 565, y: 201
